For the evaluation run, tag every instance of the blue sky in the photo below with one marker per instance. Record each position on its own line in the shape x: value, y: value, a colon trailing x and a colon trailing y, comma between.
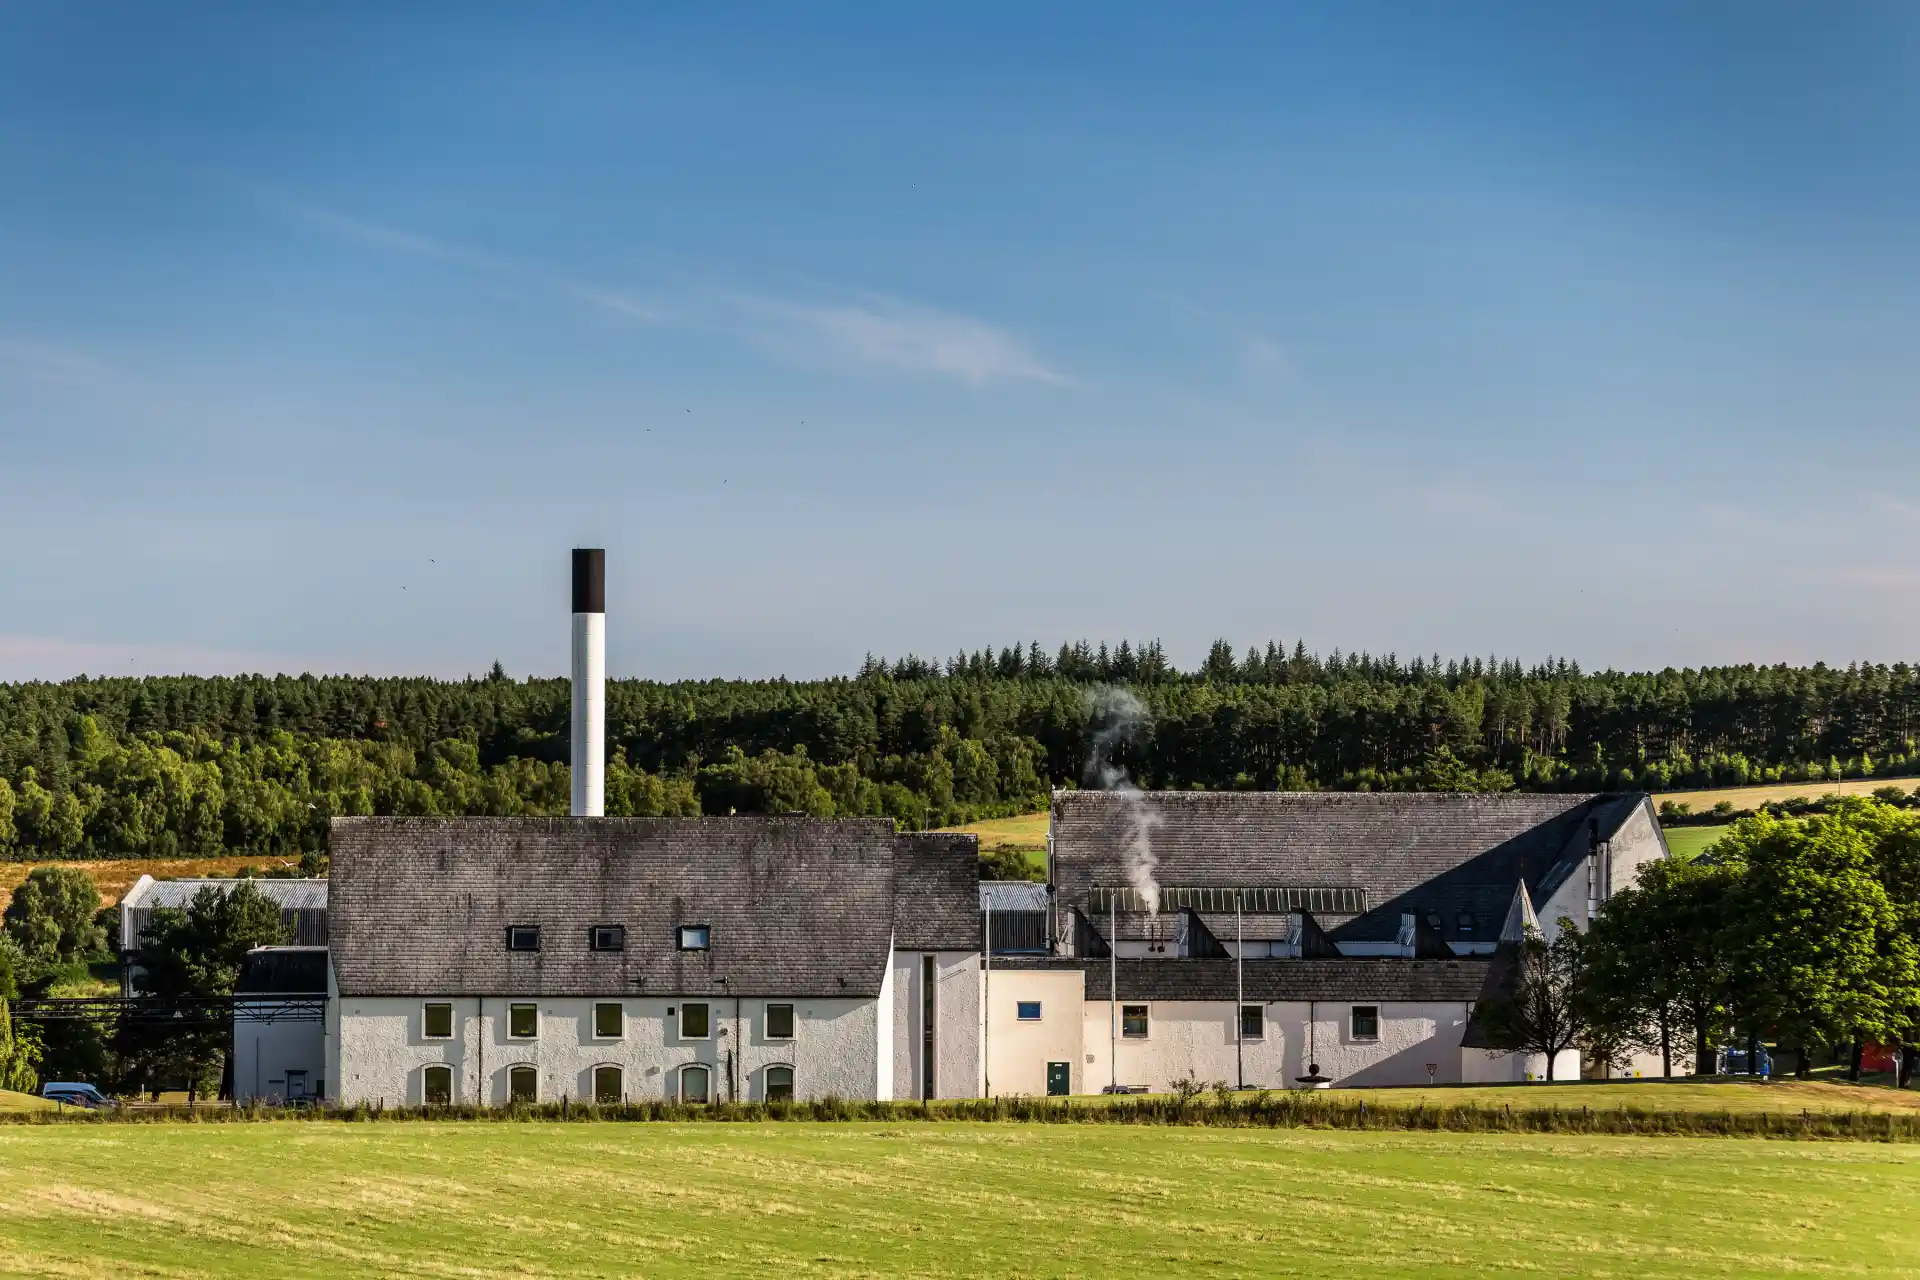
x: 325, y: 331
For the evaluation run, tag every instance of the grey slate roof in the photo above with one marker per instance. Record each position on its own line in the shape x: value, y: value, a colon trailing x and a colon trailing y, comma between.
x: 283, y: 971
x: 796, y: 906
x: 1428, y: 981
x: 292, y: 895
x: 1437, y: 854
x: 934, y: 874
x: 1012, y: 895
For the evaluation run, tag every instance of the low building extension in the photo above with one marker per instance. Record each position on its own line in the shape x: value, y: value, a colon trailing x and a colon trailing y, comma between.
x: 1269, y: 939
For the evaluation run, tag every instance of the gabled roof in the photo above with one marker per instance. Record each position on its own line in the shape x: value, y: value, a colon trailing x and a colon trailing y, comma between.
x: 292, y: 895
x: 795, y: 906
x: 935, y: 894
x: 1441, y: 855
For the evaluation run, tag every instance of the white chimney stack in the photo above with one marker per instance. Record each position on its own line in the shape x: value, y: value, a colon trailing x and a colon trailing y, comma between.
x: 589, y: 682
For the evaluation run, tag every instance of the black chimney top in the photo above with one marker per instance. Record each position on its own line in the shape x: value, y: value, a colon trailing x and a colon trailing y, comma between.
x: 589, y: 580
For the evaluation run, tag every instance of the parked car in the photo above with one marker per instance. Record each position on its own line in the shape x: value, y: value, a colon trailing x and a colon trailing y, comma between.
x: 1733, y: 1062
x: 75, y: 1094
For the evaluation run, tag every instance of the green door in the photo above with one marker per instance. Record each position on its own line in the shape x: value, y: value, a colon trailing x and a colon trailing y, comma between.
x: 1059, y: 1079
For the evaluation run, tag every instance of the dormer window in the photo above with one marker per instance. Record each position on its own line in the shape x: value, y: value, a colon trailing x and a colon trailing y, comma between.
x: 523, y: 937
x: 1466, y: 922
x: 694, y: 937
x: 607, y: 937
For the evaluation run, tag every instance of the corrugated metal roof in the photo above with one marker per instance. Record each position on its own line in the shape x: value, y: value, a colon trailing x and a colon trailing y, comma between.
x: 292, y: 895
x: 1012, y: 895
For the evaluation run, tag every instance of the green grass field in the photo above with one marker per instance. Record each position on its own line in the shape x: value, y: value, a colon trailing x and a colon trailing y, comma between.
x: 1028, y: 831
x: 792, y: 1199
x: 11, y: 1101
x: 1691, y: 842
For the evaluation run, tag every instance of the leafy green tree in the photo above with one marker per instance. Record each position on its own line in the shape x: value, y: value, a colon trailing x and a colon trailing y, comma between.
x: 1006, y: 864
x: 1540, y: 1008
x: 197, y: 950
x: 1821, y: 951
x: 52, y: 916
x: 19, y: 1046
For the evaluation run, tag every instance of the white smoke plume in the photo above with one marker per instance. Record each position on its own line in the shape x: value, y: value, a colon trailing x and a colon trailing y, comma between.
x: 1118, y: 719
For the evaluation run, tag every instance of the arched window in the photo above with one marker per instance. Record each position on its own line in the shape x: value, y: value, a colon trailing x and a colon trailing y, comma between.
x: 523, y: 1084
x: 779, y: 1084
x: 436, y: 1086
x: 694, y: 1084
x: 607, y: 1090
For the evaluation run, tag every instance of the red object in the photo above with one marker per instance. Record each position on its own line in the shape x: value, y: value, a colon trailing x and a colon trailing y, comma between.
x: 1879, y: 1057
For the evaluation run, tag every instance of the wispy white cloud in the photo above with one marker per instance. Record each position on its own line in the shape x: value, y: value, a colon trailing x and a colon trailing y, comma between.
x: 888, y: 334
x: 872, y: 332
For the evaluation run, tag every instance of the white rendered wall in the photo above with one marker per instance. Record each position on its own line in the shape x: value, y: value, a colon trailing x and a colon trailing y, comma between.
x: 1018, y: 1052
x: 956, y: 1004
x: 589, y: 714
x: 1484, y: 1067
x: 264, y: 1051
x: 835, y: 1048
x: 885, y: 1045
x: 1197, y: 1038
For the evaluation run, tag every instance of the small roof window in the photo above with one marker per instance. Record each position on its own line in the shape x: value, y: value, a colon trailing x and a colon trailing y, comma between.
x: 523, y: 937
x: 607, y: 937
x: 694, y: 937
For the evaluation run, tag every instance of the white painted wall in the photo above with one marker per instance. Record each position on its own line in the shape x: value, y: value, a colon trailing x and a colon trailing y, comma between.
x: 381, y: 1049
x: 956, y: 1005
x: 264, y: 1051
x: 1197, y: 1038
x: 1018, y: 1052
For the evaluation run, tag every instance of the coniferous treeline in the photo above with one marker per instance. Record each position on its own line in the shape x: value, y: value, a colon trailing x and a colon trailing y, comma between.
x: 100, y: 767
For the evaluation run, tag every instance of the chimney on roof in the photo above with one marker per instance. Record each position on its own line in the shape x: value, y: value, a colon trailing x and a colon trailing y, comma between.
x: 589, y: 681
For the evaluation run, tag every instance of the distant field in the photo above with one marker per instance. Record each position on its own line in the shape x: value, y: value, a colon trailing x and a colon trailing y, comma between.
x: 1028, y: 831
x: 11, y: 1101
x: 938, y: 1200
x: 1690, y: 842
x: 1751, y: 797
x: 113, y: 877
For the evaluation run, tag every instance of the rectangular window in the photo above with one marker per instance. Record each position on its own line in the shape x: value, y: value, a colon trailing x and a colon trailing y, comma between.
x: 523, y: 1021
x: 779, y: 1022
x: 1253, y: 1022
x: 694, y: 1023
x: 523, y: 937
x: 607, y: 937
x: 437, y: 1086
x: 1366, y: 1022
x: 694, y: 937
x: 436, y: 1021
x: 609, y: 1022
x: 1133, y: 1021
x: 1027, y: 1010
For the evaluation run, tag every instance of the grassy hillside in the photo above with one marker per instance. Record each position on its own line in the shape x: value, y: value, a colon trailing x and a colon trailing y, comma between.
x: 1028, y: 831
x: 115, y: 876
x: 1691, y: 842
x: 11, y: 1101
x: 939, y: 1200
